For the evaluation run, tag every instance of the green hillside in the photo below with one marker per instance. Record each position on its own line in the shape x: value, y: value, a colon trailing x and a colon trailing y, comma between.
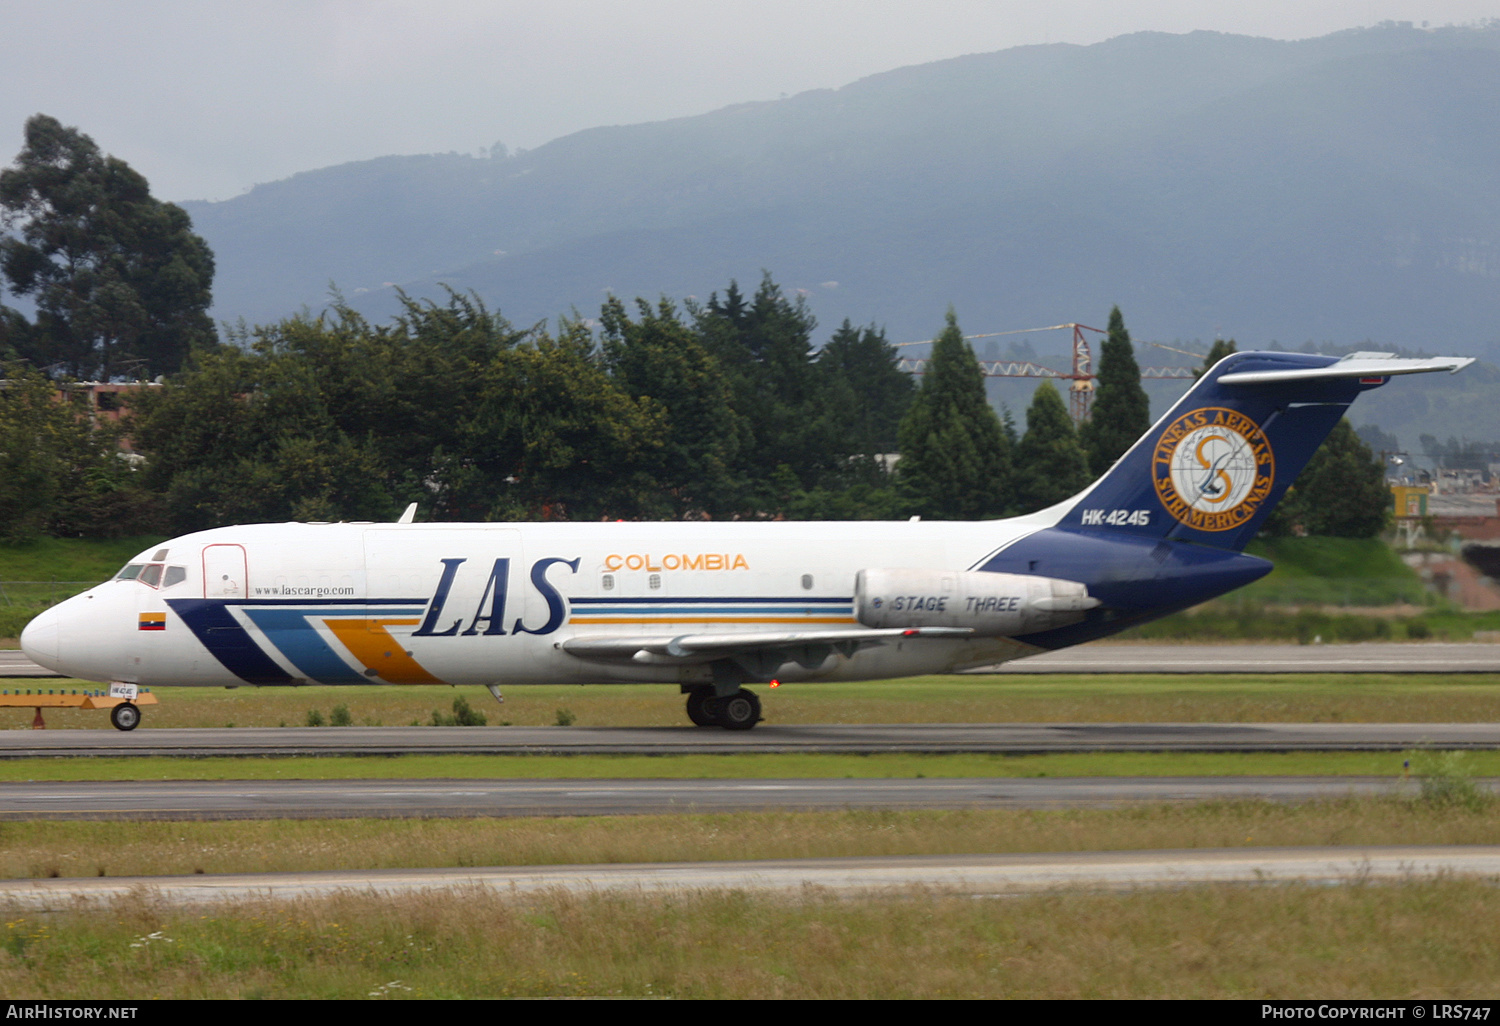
x: 48, y: 570
x: 1328, y: 589
x: 1332, y: 571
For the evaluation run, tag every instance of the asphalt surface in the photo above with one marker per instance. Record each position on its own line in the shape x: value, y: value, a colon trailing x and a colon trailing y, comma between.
x: 963, y: 874
x: 1008, y: 738
x: 1366, y: 657
x: 13, y: 663
x: 1371, y: 657
x: 306, y: 799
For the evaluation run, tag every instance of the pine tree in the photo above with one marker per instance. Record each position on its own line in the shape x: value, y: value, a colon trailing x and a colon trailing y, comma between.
x: 764, y: 347
x: 955, y: 463
x: 1122, y: 411
x: 1221, y: 348
x: 1342, y: 492
x: 1050, y: 464
x: 864, y: 394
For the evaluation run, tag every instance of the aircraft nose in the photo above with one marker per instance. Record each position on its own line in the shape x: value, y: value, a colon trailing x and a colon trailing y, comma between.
x: 41, y: 637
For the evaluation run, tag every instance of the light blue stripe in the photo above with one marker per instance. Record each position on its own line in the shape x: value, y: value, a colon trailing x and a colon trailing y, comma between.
x: 296, y: 639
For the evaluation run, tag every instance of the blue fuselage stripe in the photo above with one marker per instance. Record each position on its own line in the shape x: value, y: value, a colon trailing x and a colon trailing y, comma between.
x: 290, y: 631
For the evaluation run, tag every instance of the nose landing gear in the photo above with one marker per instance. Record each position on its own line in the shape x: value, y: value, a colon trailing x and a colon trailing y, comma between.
x: 125, y: 716
x: 739, y: 711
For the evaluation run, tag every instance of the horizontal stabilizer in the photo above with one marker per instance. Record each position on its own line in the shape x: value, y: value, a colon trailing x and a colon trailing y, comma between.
x: 697, y: 648
x: 1355, y: 365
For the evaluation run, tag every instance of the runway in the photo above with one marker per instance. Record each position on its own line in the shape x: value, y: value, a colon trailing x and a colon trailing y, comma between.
x: 1364, y: 657
x: 1004, y: 738
x: 961, y: 874
x: 344, y: 799
x: 13, y: 663
x: 1369, y: 657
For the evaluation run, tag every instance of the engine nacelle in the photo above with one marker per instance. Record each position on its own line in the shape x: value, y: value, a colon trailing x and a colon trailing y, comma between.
x: 993, y: 605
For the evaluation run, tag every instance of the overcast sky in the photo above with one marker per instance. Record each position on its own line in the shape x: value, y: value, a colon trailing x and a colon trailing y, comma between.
x: 209, y: 97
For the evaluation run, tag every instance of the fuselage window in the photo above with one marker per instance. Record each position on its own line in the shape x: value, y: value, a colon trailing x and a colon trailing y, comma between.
x: 174, y: 575
x: 609, y: 582
x: 151, y: 575
x: 654, y: 580
x: 807, y: 582
x: 129, y: 572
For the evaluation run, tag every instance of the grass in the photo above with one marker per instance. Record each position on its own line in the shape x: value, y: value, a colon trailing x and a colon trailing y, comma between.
x: 1427, y: 939
x: 45, y: 848
x: 1329, y: 588
x: 1082, y: 698
x: 1334, y: 571
x: 1233, y: 619
x: 68, y: 560
x: 1337, y: 589
x: 1415, y: 939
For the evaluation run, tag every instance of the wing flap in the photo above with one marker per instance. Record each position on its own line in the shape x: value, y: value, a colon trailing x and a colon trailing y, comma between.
x: 698, y: 648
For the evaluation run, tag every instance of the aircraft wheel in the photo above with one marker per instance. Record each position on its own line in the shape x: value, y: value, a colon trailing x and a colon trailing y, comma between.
x: 125, y: 716
x: 700, y: 707
x: 740, y: 711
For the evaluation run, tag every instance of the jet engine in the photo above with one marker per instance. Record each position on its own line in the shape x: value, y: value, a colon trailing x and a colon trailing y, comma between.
x: 992, y: 605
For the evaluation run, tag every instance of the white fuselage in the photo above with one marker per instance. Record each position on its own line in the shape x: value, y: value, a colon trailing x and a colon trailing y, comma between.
x: 495, y: 603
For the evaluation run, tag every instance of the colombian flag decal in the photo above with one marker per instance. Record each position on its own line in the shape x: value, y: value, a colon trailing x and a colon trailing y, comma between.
x: 153, y: 621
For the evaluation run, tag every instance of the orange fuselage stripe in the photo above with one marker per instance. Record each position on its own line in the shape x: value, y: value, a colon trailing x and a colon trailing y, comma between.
x: 370, y: 643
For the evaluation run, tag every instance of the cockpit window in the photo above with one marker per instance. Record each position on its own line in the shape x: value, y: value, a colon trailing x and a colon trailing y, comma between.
x: 175, y: 575
x: 151, y: 575
x: 130, y: 572
x: 161, y: 554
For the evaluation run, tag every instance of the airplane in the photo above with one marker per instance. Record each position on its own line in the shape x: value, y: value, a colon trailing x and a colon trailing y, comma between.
x: 713, y: 606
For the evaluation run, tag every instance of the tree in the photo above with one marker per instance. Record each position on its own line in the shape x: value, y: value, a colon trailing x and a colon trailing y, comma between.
x: 764, y: 346
x: 247, y: 436
x: 120, y: 282
x: 865, y: 395
x: 1050, y: 464
x: 659, y: 359
x: 1220, y: 349
x: 61, y: 473
x: 1341, y: 493
x: 327, y: 418
x: 554, y: 438
x: 1122, y: 411
x: 955, y: 456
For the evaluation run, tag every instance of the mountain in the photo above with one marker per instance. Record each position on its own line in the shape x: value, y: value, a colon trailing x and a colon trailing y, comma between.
x: 1341, y: 190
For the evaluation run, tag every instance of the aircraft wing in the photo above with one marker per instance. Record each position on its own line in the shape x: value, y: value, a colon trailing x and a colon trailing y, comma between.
x: 701, y: 648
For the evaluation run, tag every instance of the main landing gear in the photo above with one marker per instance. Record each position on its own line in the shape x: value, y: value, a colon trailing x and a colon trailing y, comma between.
x: 125, y: 716
x: 739, y: 711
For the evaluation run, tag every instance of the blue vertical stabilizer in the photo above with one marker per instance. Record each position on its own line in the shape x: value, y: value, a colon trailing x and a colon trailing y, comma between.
x: 1165, y: 527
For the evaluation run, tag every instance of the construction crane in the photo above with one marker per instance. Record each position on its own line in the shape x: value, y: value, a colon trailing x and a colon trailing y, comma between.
x: 1081, y: 378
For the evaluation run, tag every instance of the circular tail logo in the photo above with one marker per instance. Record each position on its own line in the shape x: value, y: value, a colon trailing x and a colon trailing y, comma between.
x: 1213, y: 469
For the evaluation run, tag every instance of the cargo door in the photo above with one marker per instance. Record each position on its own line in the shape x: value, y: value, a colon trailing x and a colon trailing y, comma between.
x: 226, y: 572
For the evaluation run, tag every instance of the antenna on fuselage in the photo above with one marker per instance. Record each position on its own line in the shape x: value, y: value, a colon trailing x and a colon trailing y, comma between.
x: 410, y: 515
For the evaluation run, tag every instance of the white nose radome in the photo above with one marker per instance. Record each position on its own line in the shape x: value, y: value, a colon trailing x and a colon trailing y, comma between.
x: 40, y: 639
